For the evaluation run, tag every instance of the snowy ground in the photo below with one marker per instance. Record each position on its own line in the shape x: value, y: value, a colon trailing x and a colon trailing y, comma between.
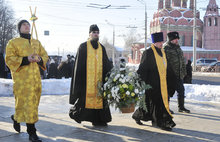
x: 62, y: 87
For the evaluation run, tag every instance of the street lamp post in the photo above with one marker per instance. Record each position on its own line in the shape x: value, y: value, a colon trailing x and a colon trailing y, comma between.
x: 168, y: 25
x: 59, y: 49
x: 113, y: 51
x: 194, y: 38
x: 144, y: 3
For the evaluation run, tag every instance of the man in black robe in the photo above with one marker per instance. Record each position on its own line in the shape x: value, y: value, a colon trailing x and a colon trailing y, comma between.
x: 99, y: 116
x: 162, y: 82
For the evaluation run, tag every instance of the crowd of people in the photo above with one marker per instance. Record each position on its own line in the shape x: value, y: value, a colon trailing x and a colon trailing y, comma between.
x: 58, y: 68
x: 162, y: 66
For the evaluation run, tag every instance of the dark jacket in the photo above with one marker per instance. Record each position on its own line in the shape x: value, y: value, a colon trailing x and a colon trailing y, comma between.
x: 188, y: 77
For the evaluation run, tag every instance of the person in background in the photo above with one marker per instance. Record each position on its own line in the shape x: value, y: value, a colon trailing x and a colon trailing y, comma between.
x: 188, y: 77
x: 24, y: 62
x: 52, y: 70
x: 63, y: 69
x: 70, y: 63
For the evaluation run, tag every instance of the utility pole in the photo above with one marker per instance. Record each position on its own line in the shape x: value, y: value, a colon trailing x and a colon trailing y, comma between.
x: 194, y: 38
x: 144, y: 3
x: 58, y: 51
x: 113, y: 50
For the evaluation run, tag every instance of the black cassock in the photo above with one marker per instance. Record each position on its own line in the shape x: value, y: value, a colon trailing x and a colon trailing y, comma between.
x: 148, y: 71
x: 78, y: 89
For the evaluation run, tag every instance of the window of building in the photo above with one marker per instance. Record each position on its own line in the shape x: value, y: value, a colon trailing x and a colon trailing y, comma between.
x: 216, y: 21
x: 204, y: 22
x: 132, y: 56
x: 136, y: 54
x: 182, y: 40
x: 210, y: 22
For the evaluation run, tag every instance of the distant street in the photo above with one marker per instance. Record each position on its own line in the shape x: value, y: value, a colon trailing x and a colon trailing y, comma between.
x: 212, y: 80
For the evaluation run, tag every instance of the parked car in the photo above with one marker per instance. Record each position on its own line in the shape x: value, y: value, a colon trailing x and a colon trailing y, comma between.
x: 204, y: 62
x: 212, y: 67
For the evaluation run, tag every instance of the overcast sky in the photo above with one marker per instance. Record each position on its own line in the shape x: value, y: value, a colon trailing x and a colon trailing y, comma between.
x: 68, y: 21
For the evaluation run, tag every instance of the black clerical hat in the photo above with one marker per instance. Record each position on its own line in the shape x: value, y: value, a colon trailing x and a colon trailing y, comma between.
x: 157, y: 37
x: 93, y: 27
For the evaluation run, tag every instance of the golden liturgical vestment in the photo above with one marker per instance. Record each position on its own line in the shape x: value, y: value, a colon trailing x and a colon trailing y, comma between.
x: 94, y: 75
x: 26, y: 79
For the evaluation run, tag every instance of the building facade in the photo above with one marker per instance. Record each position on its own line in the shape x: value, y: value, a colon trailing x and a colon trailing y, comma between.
x: 176, y: 16
x: 211, y: 26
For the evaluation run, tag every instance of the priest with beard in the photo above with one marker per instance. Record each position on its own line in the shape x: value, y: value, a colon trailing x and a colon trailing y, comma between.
x: 157, y: 72
x: 90, y: 69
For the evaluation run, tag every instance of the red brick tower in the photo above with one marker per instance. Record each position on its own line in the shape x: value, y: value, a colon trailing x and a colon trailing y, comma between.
x: 211, y: 26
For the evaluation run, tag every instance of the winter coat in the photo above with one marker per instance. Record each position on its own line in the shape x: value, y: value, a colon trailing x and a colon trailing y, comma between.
x: 174, y: 55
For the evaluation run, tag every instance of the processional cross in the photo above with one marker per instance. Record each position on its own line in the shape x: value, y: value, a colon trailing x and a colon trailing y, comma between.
x: 34, y: 43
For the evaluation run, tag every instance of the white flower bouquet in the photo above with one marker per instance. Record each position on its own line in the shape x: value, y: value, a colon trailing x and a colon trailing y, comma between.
x: 124, y: 87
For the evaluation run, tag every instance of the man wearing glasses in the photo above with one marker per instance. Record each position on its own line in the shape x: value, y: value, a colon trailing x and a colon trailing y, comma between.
x: 91, y: 66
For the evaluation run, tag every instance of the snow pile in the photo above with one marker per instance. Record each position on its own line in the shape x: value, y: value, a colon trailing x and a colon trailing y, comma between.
x: 62, y: 87
x: 202, y: 92
x: 49, y: 86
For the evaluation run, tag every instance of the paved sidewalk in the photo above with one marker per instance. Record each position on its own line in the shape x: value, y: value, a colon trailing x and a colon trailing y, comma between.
x: 54, y: 124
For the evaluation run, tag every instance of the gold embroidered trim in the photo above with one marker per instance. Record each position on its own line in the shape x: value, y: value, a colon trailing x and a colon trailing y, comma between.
x: 94, y: 75
x: 162, y: 66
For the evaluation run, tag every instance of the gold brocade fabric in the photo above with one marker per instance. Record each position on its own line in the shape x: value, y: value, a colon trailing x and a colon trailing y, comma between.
x: 94, y: 75
x: 162, y: 67
x: 26, y: 79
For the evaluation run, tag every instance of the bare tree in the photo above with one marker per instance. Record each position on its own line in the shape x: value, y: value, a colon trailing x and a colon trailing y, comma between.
x: 131, y: 37
x: 7, y: 25
x: 107, y: 46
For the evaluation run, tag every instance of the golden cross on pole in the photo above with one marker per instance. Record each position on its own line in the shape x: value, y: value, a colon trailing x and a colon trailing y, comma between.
x: 34, y: 43
x: 33, y: 18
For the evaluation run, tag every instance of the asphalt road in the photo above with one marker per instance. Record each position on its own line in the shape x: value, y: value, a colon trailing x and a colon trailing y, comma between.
x: 207, y: 80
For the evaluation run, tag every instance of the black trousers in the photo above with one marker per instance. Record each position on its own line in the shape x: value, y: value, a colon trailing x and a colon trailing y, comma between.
x: 31, y: 130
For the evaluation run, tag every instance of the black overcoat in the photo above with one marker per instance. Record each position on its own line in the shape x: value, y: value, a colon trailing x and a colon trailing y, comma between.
x: 149, y: 74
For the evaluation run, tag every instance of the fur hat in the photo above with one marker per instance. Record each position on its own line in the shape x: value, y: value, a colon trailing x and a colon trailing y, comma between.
x: 173, y: 35
x: 93, y: 27
x: 20, y: 23
x: 157, y: 37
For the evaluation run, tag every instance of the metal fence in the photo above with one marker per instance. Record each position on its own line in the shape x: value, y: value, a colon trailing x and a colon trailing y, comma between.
x: 213, y: 69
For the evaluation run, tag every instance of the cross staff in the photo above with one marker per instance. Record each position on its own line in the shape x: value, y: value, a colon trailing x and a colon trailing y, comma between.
x: 33, y: 18
x: 34, y: 43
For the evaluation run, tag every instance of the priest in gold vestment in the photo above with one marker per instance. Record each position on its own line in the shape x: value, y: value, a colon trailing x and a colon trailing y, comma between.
x: 91, y: 66
x: 26, y: 77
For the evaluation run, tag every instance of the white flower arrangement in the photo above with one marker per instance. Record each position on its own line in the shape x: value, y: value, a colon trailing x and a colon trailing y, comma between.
x: 123, y: 87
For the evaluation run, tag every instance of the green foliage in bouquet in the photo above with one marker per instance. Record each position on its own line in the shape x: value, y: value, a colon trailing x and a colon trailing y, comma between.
x: 123, y: 87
